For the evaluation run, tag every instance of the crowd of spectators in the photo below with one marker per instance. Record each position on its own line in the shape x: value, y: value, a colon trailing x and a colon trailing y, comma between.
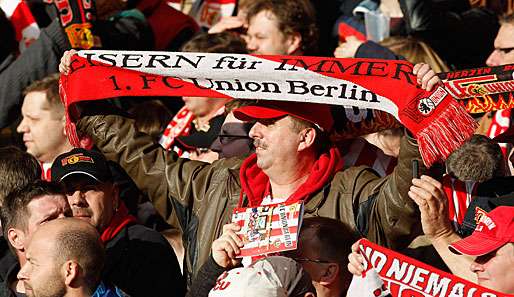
x: 144, y: 206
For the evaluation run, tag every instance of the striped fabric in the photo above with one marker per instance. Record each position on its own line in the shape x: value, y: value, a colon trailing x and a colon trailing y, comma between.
x: 23, y: 21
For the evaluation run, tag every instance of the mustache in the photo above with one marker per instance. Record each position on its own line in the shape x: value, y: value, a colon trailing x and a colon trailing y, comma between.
x: 77, y: 211
x: 260, y: 143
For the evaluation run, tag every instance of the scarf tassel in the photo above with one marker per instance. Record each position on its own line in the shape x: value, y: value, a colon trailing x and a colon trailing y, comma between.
x: 445, y: 134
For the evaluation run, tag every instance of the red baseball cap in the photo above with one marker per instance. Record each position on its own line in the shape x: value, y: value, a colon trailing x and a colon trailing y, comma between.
x: 318, y: 114
x: 494, y: 230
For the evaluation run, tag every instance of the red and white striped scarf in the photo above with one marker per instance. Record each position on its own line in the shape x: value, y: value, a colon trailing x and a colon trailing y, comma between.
x: 459, y: 195
x: 25, y: 26
x: 500, y: 123
x: 180, y: 125
x: 439, y: 123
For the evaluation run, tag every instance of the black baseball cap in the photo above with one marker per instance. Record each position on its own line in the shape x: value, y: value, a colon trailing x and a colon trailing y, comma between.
x: 80, y: 161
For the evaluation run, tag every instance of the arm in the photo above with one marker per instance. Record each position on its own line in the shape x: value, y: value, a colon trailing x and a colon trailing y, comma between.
x: 169, y: 181
x: 383, y: 211
x: 429, y: 195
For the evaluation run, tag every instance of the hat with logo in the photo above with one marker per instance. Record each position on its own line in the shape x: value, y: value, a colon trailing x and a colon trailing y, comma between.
x: 271, y: 277
x: 81, y: 161
x: 318, y: 114
x: 494, y: 229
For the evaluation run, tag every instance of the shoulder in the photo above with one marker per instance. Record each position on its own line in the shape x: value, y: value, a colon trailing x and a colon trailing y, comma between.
x: 354, y: 175
x: 142, y: 233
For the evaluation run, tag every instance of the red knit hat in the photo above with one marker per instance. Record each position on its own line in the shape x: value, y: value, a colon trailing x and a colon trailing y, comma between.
x: 494, y: 230
x: 318, y: 114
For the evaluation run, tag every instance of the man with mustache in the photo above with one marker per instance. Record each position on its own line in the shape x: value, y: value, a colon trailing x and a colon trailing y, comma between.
x: 294, y: 161
x: 139, y: 260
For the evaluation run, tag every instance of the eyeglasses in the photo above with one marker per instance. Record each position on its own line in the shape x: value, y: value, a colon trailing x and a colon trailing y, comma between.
x: 226, y: 138
x: 312, y: 260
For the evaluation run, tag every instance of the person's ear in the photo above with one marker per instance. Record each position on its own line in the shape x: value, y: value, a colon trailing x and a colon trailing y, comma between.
x: 307, y: 137
x: 70, y: 271
x: 330, y: 274
x: 293, y: 42
x: 16, y: 239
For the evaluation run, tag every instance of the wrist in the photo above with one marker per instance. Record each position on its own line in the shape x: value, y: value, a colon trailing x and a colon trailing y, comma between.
x: 446, y: 237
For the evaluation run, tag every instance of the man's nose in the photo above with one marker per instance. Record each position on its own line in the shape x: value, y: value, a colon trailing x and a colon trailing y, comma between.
x: 23, y: 274
x: 251, y: 45
x: 476, y: 267
x: 216, y: 145
x: 22, y: 127
x: 255, y: 132
x: 77, y: 199
x: 494, y: 59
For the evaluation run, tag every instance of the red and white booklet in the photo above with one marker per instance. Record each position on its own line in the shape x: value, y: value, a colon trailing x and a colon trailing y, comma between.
x: 269, y: 229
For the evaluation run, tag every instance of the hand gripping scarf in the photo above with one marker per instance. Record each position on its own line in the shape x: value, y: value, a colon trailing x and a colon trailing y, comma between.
x: 439, y: 123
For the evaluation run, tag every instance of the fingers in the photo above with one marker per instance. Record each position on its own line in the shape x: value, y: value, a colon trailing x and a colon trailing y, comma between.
x: 356, y: 263
x: 227, y: 23
x: 349, y: 48
x: 430, y: 186
x: 231, y: 227
x: 229, y: 232
x: 228, y: 246
x: 64, y: 66
x: 428, y: 194
x: 355, y: 247
x: 426, y: 77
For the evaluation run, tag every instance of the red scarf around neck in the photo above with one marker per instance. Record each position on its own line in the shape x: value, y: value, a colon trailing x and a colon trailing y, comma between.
x: 254, y: 181
x: 120, y: 220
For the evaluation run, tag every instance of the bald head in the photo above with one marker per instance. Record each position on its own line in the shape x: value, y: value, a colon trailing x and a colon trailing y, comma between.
x: 76, y: 241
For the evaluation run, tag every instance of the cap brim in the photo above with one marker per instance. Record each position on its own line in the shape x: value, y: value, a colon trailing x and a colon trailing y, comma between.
x: 253, y: 112
x: 76, y: 173
x: 476, y: 245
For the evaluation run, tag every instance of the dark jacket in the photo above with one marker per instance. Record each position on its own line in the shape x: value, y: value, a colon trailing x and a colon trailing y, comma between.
x: 142, y: 263
x: 206, y: 279
x: 461, y: 35
x: 202, y: 196
x: 10, y: 277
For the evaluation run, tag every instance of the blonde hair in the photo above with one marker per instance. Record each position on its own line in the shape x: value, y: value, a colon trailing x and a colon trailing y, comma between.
x: 415, y: 51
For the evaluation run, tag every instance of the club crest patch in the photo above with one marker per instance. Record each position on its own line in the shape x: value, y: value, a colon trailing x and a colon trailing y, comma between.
x: 76, y: 158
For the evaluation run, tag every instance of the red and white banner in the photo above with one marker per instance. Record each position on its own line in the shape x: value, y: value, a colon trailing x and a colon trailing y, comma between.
x: 25, y: 26
x: 406, y: 277
x: 439, y: 123
x: 268, y: 229
x: 207, y: 12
